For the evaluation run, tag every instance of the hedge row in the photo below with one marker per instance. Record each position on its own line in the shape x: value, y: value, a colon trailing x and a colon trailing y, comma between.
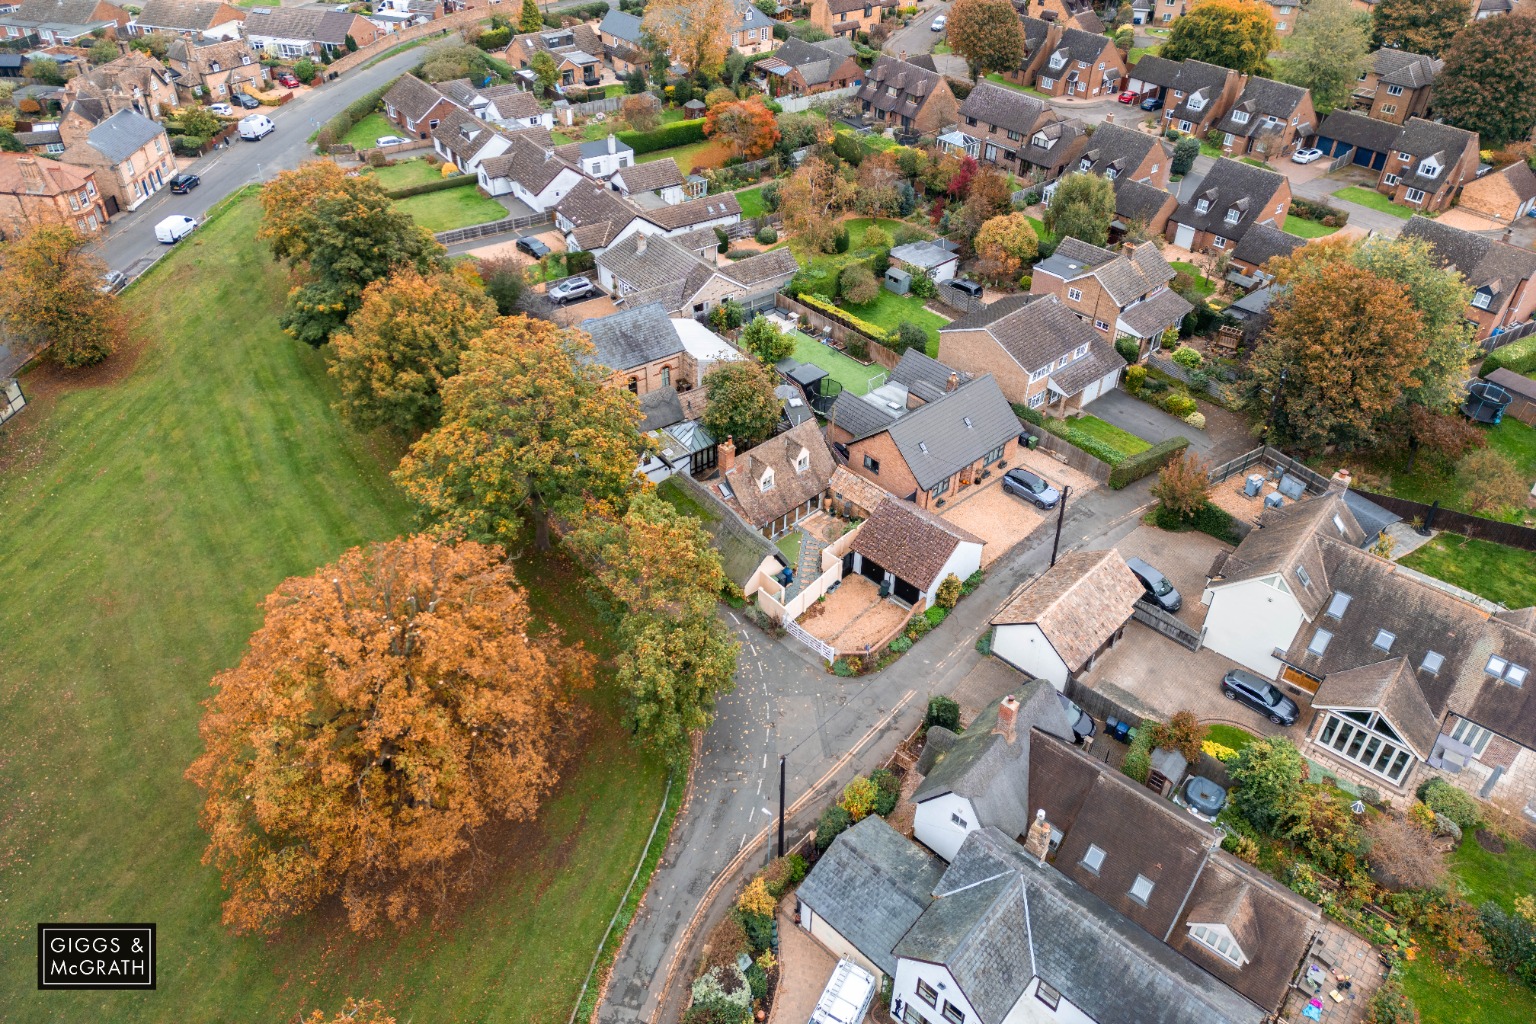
x: 848, y: 320
x: 345, y: 121
x: 1084, y: 441
x: 1519, y: 356
x: 1146, y: 463
x: 678, y: 133
x: 1311, y: 209
x: 441, y: 185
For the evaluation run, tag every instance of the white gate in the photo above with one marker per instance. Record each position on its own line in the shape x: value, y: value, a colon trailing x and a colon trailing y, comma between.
x: 816, y: 644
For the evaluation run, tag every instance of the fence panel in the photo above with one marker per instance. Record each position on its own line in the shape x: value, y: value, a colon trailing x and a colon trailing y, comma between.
x: 1513, y: 334
x: 1071, y: 455
x: 1169, y: 626
x: 1341, y: 160
x: 816, y: 644
x: 1270, y: 459
x: 495, y: 227
x: 1476, y: 527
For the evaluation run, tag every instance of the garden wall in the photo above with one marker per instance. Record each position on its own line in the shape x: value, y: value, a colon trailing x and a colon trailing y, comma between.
x: 439, y: 27
x: 1476, y: 527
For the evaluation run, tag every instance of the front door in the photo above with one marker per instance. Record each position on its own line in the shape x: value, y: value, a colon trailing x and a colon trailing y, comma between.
x: 906, y: 591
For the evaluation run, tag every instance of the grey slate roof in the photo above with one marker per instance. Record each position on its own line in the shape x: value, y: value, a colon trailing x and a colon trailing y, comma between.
x: 1193, y: 78
x: 1357, y: 130
x: 913, y: 86
x: 1078, y: 45
x: 1261, y: 97
x: 1009, y: 109
x: 1289, y: 537
x: 990, y: 313
x: 179, y: 14
x: 1371, y: 516
x: 621, y: 25
x: 1487, y: 264
x: 871, y: 886
x: 661, y: 409
x: 857, y: 416
x: 1156, y: 70
x: 925, y: 254
x: 1125, y: 276
x: 1138, y: 201
x: 316, y: 25
x: 1263, y: 242
x: 1100, y: 361
x: 815, y: 61
x: 938, y: 439
x: 633, y: 337
x: 1409, y: 70
x: 924, y: 376
x: 123, y: 134
x: 981, y: 935
x: 1231, y: 183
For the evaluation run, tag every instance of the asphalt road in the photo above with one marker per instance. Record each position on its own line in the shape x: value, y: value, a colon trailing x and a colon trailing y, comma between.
x: 919, y: 36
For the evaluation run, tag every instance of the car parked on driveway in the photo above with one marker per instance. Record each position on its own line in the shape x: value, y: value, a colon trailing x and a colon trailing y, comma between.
x: 185, y: 182
x: 222, y: 109
x: 571, y: 289
x: 1082, y: 722
x: 246, y: 100
x: 1036, y: 489
x: 533, y: 247
x: 287, y: 80
x: 1159, y: 591
x: 1261, y: 695
x: 939, y: 23
x: 1306, y: 156
x: 1152, y: 103
x: 1129, y: 96
x: 390, y: 140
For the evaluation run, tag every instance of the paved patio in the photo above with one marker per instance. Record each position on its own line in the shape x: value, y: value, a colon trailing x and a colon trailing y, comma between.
x: 1184, y: 558
x: 805, y: 966
x: 853, y: 615
x: 1340, y: 955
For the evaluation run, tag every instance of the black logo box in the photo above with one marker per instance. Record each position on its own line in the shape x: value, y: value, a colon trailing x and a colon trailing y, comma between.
x: 96, y: 957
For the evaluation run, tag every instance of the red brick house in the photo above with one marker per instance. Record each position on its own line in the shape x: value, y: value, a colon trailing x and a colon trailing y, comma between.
x: 1232, y: 198
x: 416, y: 107
x: 913, y: 99
x: 1063, y: 61
x: 1398, y: 85
x: 1195, y: 95
x: 1268, y: 121
x: 799, y: 68
x: 1502, y: 276
x: 1122, y: 294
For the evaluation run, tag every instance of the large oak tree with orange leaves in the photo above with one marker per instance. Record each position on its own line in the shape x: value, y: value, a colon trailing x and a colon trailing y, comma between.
x: 390, y: 707
x: 50, y: 297
x: 747, y: 126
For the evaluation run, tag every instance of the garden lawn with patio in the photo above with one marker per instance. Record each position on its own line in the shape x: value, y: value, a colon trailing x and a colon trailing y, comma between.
x: 366, y: 133
x: 1493, y: 571
x: 1205, y: 285
x: 452, y: 208
x: 1371, y: 198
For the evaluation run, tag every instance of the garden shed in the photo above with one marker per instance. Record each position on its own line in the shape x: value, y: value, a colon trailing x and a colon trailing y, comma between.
x: 898, y: 280
x: 694, y: 108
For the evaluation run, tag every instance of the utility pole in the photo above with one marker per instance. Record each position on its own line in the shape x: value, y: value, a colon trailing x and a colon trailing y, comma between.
x: 1061, y: 518
x: 781, y: 805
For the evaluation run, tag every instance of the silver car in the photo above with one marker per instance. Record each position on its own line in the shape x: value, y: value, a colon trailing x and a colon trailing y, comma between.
x: 571, y: 289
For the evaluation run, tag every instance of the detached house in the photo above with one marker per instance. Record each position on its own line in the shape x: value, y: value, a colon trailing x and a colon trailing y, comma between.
x: 751, y: 31
x: 623, y: 41
x: 61, y: 22
x: 130, y: 154
x: 644, y: 268
x: 799, y: 68
x: 1502, y: 196
x: 1157, y: 12
x: 1260, y: 244
x: 1057, y: 624
x: 1127, y: 292
x: 214, y: 69
x: 135, y: 81
x: 1063, y: 61
x: 415, y: 107
x: 196, y: 19
x: 576, y: 49
x: 659, y: 181
x: 642, y: 349
x: 1122, y: 154
x: 1398, y: 85
x: 1195, y: 94
x: 520, y: 165
x: 1502, y: 276
x: 1042, y: 353
x: 1142, y: 203
x: 1015, y: 131
x: 505, y: 105
x: 291, y: 33
x: 780, y: 482
x: 1269, y: 120
x: 1232, y: 198
x: 912, y: 551
x: 1409, y: 677
x: 911, y: 98
x: 846, y: 17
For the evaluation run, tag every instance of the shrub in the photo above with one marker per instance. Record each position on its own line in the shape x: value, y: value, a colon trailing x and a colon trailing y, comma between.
x: 755, y: 898
x: 757, y: 981
x: 1184, y: 153
x: 859, y: 798
x: 1311, y: 209
x: 1401, y: 853
x: 1219, y: 751
x: 725, y: 984
x: 1446, y: 827
x: 767, y: 236
x: 1458, y: 805
x: 821, y: 305
x: 949, y: 591
x: 910, y: 335
x: 1196, y: 419
x: 1129, y: 349
x: 1390, y: 1004
x: 834, y: 821
x: 919, y: 627
x: 678, y: 133
x: 984, y: 644
x: 857, y: 285
x: 1511, y: 941
x: 1178, y: 404
x: 1519, y: 356
x: 847, y: 146
x: 1188, y: 357
x: 942, y: 711
x: 1135, y: 378
x: 901, y: 644
x: 440, y: 185
x: 1183, y: 733
x: 923, y: 287
x: 970, y: 583
x: 1134, y: 467
x: 715, y: 1011
x: 1138, y: 760
x: 888, y: 788
x: 1447, y: 918
x: 840, y: 667
x: 936, y: 615
x: 1028, y: 415
x: 840, y: 241
x: 1268, y: 775
x: 580, y: 261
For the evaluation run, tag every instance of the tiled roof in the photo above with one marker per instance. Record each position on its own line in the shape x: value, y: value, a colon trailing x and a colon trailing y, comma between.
x: 1034, y: 334
x: 939, y: 438
x: 1157, y: 314
x: 1485, y: 263
x: 912, y: 543
x: 756, y: 270
x: 1356, y: 129
x: 1082, y: 46
x: 1098, y: 362
x: 791, y: 487
x: 1125, y: 276
x: 1009, y: 109
x: 59, y: 178
x: 597, y: 213
x: 913, y: 86
x: 1288, y: 537
x: 1078, y: 604
x: 1263, y: 242
x: 186, y: 14
x: 123, y: 134
x: 924, y: 376
x: 1231, y: 184
x: 316, y: 25
x: 534, y: 166
x: 679, y: 216
x: 1409, y: 70
x: 862, y: 491
x: 1118, y: 147
x: 649, y: 177
x: 1262, y: 97
x: 633, y: 337
x: 662, y: 260
x: 621, y: 25
x: 1138, y: 201
x: 55, y: 12
x: 1422, y: 138
x: 412, y: 97
x: 1390, y: 687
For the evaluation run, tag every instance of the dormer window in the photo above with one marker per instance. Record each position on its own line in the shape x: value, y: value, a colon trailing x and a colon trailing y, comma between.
x: 1042, y: 140
x: 1058, y: 61
x: 1481, y: 298
x: 802, y: 461
x: 1085, y: 165
x: 1111, y: 174
x: 1197, y: 102
x: 1429, y: 168
x: 1234, y: 215
x: 765, y: 482
x: 1239, y: 117
x: 1218, y: 938
x: 1203, y: 206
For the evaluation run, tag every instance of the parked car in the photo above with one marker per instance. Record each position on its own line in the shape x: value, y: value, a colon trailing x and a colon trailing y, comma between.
x: 174, y: 229
x: 246, y: 100
x: 939, y: 23
x: 533, y: 247
x: 1152, y: 103
x: 1201, y: 797
x: 970, y: 288
x: 112, y: 282
x: 255, y: 127
x: 1261, y: 695
x: 1082, y: 722
x: 287, y: 80
x: 1032, y: 488
x: 185, y: 182
x: 222, y: 109
x: 571, y: 289
x: 390, y: 140
x: 1129, y: 96
x: 1306, y: 156
x: 1159, y: 591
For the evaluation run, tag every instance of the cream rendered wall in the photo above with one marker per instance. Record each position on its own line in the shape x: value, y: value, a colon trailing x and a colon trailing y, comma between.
x: 829, y: 937
x: 1248, y: 620
x: 1029, y: 1010
x: 934, y: 825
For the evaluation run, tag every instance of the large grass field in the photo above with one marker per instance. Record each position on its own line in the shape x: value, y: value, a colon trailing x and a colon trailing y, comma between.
x: 1503, y: 574
x: 452, y: 208
x: 146, y: 518
x: 1373, y: 199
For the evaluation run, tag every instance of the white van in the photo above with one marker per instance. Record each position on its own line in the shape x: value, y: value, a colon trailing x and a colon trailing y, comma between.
x: 174, y: 229
x: 256, y: 126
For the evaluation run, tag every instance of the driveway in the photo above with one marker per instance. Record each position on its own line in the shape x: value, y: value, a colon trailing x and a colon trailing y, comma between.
x: 1184, y: 558
x: 998, y: 518
x: 1151, y: 424
x: 918, y: 37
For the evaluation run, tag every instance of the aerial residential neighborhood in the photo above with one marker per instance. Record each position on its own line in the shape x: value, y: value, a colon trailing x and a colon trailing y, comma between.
x: 765, y: 512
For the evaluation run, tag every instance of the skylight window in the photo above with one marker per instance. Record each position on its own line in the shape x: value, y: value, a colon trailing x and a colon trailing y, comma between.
x: 1339, y: 525
x: 1496, y: 666
x: 1432, y: 662
x: 1383, y: 640
x: 1515, y: 675
x: 1304, y: 576
x: 1338, y: 605
x: 1319, y: 642
x: 1093, y: 859
x: 1141, y: 890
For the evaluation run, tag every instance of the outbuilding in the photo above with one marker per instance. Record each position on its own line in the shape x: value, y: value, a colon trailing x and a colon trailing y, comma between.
x: 1057, y: 624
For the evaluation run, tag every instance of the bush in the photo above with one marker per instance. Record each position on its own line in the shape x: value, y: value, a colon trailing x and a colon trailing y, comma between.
x: 859, y: 798
x: 756, y: 899
x: 1390, y: 1004
x: 188, y: 145
x: 1188, y: 357
x: 724, y: 984
x: 857, y: 285
x: 1311, y: 209
x: 834, y: 821
x: 440, y: 185
x: 678, y: 133
x: 942, y: 711
x: 1446, y: 827
x: 901, y: 644
x: 1184, y: 153
x: 841, y: 668
x: 757, y: 981
x: 1183, y: 733
x: 919, y: 627
x: 1176, y: 403
x: 888, y: 788
x: 1129, y: 349
x: 848, y: 147
x: 1458, y: 805
x: 910, y: 335
x: 767, y: 236
x: 1134, y: 467
x: 1138, y: 760
x: 840, y: 242
x: 923, y: 287
x: 1519, y: 356
x: 1027, y: 414
x: 821, y: 305
x: 984, y: 644
x: 949, y: 591
x: 1511, y: 941
x: 936, y: 615
x: 1135, y: 378
x: 580, y: 261
x: 1196, y: 420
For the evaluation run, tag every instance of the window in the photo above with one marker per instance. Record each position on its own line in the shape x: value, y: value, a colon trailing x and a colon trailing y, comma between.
x: 1033, y: 377
x: 1185, y: 126
x: 1203, y: 206
x: 1234, y: 215
x: 1303, y: 576
x: 939, y: 489
x: 666, y: 376
x: 1394, y: 90
x: 1063, y: 361
x: 1404, y: 156
x: 1037, y: 400
x: 803, y: 463
x: 995, y: 455
x: 765, y: 482
x: 1141, y: 889
x: 971, y: 121
x: 1075, y: 294
x: 909, y: 1015
x: 1415, y: 196
x: 1481, y: 299
x: 1429, y: 169
x: 1082, y: 349
x: 1043, y: 992
x: 1365, y: 738
x: 1384, y: 639
x: 953, y: 1013
x: 1093, y: 859
x: 1319, y: 642
x: 1432, y: 662
x: 873, y: 465
x: 1058, y: 61
x: 1101, y: 325
x: 1197, y: 102
x: 1014, y: 136
x: 1474, y: 736
x: 1391, y: 179
x: 1239, y: 117
x: 1219, y: 940
x: 1389, y: 108
x: 1219, y: 242
x: 1110, y: 173
x: 1047, y: 84
x: 926, y: 993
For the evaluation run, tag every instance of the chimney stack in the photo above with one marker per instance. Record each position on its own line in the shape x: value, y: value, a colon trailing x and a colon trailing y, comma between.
x: 727, y: 456
x: 1109, y: 118
x: 1037, y: 843
x: 953, y: 382
x: 1342, y: 477
x: 613, y: 144
x: 1008, y: 718
x: 32, y: 176
x: 640, y: 243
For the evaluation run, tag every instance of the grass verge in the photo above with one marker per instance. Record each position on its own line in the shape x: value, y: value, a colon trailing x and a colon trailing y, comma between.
x: 1303, y: 228
x: 1371, y: 198
x: 1123, y: 441
x: 1503, y: 574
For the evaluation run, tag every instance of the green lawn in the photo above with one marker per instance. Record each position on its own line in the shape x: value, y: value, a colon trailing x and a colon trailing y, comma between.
x: 1503, y: 574
x: 151, y: 518
x: 1123, y: 441
x: 696, y: 154
x: 1495, y: 876
x: 1209, y: 147
x: 1303, y: 228
x: 889, y: 310
x: 847, y: 371
x: 751, y: 200
x: 1433, y: 480
x: 1229, y: 736
x: 1041, y: 231
x: 1000, y: 80
x: 1472, y: 992
x: 1205, y: 285
x: 1375, y: 200
x: 452, y: 208
x: 789, y: 547
x: 406, y: 173
x: 1138, y: 52
x: 858, y: 225
x: 369, y: 130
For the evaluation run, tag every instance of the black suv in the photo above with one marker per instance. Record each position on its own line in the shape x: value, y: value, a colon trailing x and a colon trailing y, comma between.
x: 184, y: 183
x: 1261, y: 695
x: 246, y: 100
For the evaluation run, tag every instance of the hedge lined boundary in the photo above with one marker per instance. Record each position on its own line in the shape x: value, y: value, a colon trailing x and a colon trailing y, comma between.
x: 678, y: 133
x: 441, y: 185
x: 1519, y: 356
x: 1134, y: 467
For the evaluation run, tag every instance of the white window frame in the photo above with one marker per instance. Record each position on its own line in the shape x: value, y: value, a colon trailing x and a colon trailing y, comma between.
x: 1080, y: 351
x: 1338, y: 735
x: 1415, y: 196
x: 1093, y: 858
x: 1101, y: 325
x: 1075, y: 294
x: 1037, y: 400
x: 1219, y: 242
x: 1141, y: 889
x: 1394, y: 90
x: 1391, y: 179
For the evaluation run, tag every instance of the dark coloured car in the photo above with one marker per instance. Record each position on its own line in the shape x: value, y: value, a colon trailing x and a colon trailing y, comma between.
x: 1026, y: 485
x: 1261, y: 695
x: 1159, y: 591
x: 970, y: 288
x: 1152, y: 103
x: 533, y: 247
x: 246, y: 100
x: 1082, y: 722
x: 184, y: 183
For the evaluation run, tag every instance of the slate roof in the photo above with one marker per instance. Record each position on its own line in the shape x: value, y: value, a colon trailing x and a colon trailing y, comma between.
x: 678, y: 216
x: 1009, y: 109
x: 1263, y: 242
x: 1138, y: 201
x: 322, y: 26
x: 1078, y: 603
x: 1409, y: 70
x: 1231, y: 183
x: 849, y: 6
x: 597, y: 213
x: 1156, y: 70
x: 184, y: 14
x: 1356, y: 129
x: 1261, y: 97
x: 939, y: 438
x: 815, y: 61
x: 662, y: 261
x: 1421, y: 138
x: 1156, y: 314
x: 910, y: 542
x: 507, y: 102
x: 791, y: 487
x: 1371, y: 516
x: 651, y: 177
x: 871, y: 885
x: 576, y: 41
x: 979, y: 933
x: 1035, y: 334
x: 1390, y: 687
x: 621, y: 25
x: 1484, y: 262
x: 913, y: 86
x: 1118, y: 147
x: 54, y: 12
x: 1125, y: 276
x: 122, y: 135
x: 1289, y: 537
x: 661, y: 408
x: 633, y: 337
x: 413, y: 97
x: 922, y: 375
x: 859, y: 417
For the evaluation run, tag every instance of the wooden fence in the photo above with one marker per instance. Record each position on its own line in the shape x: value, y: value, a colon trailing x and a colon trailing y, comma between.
x: 1069, y: 454
x: 1514, y: 334
x: 495, y: 227
x: 1476, y: 527
x: 1270, y: 459
x: 1170, y: 626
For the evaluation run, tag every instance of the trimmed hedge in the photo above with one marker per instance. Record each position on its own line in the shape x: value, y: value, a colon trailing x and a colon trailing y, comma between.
x: 1519, y: 356
x: 678, y: 133
x: 838, y: 315
x: 345, y: 121
x: 1311, y: 209
x: 441, y: 185
x: 1146, y: 463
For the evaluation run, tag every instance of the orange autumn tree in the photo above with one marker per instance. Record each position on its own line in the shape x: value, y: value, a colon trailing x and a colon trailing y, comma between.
x: 693, y: 33
x: 389, y: 708
x: 529, y: 431
x: 747, y: 126
x: 812, y: 201
x: 50, y: 297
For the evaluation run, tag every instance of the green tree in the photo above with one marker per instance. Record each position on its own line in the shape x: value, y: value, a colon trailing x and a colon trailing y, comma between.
x: 857, y: 284
x: 1267, y: 777
x: 988, y: 34
x: 1082, y: 207
x: 1236, y: 34
x: 44, y: 71
x: 1418, y: 26
x: 544, y: 69
x: 50, y: 297
x: 197, y: 121
x: 1184, y: 153
x: 1327, y: 53
x: 505, y: 282
x: 763, y: 339
x: 530, y: 430
x: 740, y: 403
x: 305, y: 70
x: 530, y: 20
x: 1490, y: 483
x: 1486, y: 84
x: 102, y: 51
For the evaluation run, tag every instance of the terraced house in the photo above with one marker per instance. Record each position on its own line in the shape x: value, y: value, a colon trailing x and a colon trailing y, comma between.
x: 913, y: 99
x: 130, y: 154
x: 1398, y: 85
x: 1015, y: 131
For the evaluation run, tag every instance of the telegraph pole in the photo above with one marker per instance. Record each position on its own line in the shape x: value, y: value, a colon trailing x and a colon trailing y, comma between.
x: 781, y: 805
x: 1061, y: 518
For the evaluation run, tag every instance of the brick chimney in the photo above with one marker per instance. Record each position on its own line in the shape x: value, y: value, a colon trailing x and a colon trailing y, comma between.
x: 1109, y: 118
x: 953, y: 382
x: 32, y: 176
x: 1341, y: 478
x: 1037, y: 843
x: 727, y: 453
x: 1008, y: 718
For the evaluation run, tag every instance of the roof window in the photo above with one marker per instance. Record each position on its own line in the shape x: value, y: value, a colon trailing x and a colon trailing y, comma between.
x: 1384, y: 640
x: 1093, y: 859
x: 1338, y: 605
x: 1319, y: 642
x: 1141, y: 889
x: 1303, y: 576
x: 1432, y: 662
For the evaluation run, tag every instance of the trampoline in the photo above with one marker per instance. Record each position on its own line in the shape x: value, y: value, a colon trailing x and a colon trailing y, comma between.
x: 1485, y: 402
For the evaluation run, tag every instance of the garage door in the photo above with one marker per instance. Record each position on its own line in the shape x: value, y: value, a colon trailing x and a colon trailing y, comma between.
x: 906, y: 591
x: 873, y: 570
x: 1184, y: 237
